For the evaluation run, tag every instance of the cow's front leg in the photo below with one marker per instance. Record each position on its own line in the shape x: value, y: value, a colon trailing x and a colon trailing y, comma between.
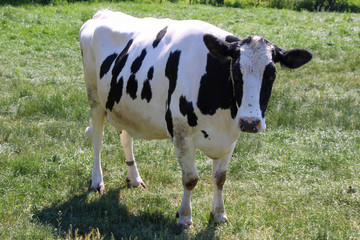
x: 190, y: 178
x: 133, y: 175
x: 95, y: 132
x: 219, y: 176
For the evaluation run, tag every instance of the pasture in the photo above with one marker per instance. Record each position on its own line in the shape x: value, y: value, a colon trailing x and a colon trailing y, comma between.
x: 300, y: 179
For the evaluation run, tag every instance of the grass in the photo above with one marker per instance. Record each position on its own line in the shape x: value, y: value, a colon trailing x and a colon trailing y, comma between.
x: 297, y: 180
x: 298, y: 5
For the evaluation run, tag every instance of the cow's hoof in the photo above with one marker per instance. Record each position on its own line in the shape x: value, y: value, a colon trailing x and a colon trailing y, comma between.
x: 187, y: 224
x: 136, y: 183
x: 99, y: 188
x: 219, y: 218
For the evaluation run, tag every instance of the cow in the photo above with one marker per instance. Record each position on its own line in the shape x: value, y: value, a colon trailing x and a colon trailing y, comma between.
x: 187, y: 81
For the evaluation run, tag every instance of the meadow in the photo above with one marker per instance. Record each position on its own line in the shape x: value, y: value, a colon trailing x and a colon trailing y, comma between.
x: 300, y: 179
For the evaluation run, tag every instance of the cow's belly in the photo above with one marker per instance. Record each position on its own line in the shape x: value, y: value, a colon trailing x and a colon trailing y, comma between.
x: 138, y: 121
x: 141, y: 119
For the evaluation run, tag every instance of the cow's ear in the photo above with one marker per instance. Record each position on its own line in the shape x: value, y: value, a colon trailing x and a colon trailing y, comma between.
x: 232, y: 38
x: 220, y: 48
x: 293, y: 58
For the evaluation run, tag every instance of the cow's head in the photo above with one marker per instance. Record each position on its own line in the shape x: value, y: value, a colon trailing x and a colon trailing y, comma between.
x: 253, y: 73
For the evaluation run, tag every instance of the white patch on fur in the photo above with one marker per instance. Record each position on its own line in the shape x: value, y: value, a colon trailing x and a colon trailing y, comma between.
x: 254, y: 57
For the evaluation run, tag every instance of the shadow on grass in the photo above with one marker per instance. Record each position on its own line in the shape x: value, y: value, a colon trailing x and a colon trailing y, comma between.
x: 113, y: 220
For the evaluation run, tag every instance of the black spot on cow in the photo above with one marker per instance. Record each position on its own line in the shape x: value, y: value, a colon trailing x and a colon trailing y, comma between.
x: 138, y: 61
x: 146, y: 90
x: 130, y: 163
x: 116, y: 87
x: 266, y: 86
x: 115, y: 93
x: 169, y: 122
x: 187, y: 109
x: 206, y: 135
x: 150, y: 74
x: 121, y: 59
x: 233, y: 108
x: 238, y: 82
x: 171, y: 72
x: 220, y: 178
x: 105, y: 66
x: 190, y: 185
x: 159, y: 36
x: 132, y: 84
x: 216, y: 87
x: 249, y: 39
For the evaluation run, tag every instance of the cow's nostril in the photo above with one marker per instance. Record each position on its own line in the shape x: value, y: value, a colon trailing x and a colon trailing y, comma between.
x: 256, y: 122
x: 251, y: 125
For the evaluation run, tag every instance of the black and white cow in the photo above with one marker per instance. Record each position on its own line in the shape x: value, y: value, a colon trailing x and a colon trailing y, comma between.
x: 185, y: 80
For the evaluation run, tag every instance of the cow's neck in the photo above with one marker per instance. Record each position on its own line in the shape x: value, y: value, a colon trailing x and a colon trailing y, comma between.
x: 217, y: 90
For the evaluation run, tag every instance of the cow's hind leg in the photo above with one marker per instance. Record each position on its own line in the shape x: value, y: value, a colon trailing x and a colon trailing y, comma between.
x: 95, y: 132
x: 186, y: 156
x: 220, y: 166
x: 133, y: 175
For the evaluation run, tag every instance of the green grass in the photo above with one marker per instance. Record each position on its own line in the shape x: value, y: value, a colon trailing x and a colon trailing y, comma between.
x: 310, y: 5
x: 297, y: 180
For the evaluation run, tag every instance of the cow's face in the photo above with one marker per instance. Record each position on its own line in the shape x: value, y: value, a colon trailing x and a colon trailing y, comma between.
x: 253, y: 72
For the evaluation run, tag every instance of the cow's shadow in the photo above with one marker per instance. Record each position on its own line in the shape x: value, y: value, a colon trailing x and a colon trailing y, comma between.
x: 79, y: 216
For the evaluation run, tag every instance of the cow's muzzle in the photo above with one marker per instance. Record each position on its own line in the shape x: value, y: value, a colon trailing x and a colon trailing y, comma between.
x: 250, y: 125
